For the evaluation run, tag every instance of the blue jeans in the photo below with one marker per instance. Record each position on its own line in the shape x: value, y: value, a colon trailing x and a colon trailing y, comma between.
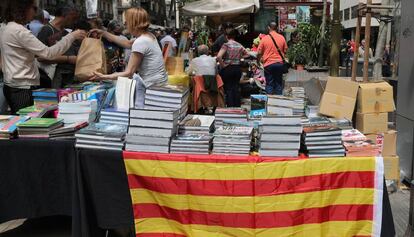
x: 274, y: 79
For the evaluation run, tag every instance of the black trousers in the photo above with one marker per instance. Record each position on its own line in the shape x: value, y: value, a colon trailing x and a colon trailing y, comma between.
x: 17, y: 98
x: 231, y: 78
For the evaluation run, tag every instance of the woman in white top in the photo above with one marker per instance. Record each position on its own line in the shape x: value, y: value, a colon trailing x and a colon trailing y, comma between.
x: 146, y: 63
x: 19, y: 47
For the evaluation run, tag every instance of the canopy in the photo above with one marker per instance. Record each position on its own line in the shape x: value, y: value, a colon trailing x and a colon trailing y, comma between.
x: 220, y: 7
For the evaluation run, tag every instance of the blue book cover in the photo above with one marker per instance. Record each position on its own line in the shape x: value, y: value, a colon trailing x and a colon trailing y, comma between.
x: 45, y: 93
x: 258, y: 106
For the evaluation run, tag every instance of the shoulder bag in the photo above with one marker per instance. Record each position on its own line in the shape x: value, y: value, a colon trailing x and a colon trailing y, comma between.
x: 286, y: 65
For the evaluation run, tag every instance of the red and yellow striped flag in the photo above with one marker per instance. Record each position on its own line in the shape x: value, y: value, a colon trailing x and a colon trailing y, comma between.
x: 222, y: 196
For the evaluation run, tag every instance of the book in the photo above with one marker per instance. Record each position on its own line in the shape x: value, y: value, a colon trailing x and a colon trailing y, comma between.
x: 39, y: 123
x: 282, y: 101
x: 51, y: 93
x: 8, y: 124
x: 321, y: 131
x: 98, y: 147
x: 353, y: 135
x: 166, y: 114
x: 167, y: 91
x: 103, y: 130
x: 278, y: 110
x: 282, y: 129
x: 280, y: 137
x: 279, y: 153
x: 158, y: 132
x: 280, y: 145
x: 322, y: 138
x: 68, y: 129
x: 281, y: 120
x: 147, y: 148
x: 135, y: 139
x: 258, y: 106
x: 154, y: 123
x: 323, y: 147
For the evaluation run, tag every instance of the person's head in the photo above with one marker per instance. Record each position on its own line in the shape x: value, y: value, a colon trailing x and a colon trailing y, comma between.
x: 137, y: 20
x: 227, y: 27
x: 232, y: 35
x: 244, y: 66
x: 114, y: 27
x: 168, y: 31
x: 21, y: 11
x: 202, y: 50
x: 363, y: 42
x: 254, y: 66
x: 82, y: 24
x: 68, y: 14
x: 272, y: 26
x: 46, y: 17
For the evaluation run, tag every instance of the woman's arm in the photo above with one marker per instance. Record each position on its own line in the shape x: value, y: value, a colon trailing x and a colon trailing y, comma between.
x: 124, y: 43
x: 36, y: 47
x: 133, y: 66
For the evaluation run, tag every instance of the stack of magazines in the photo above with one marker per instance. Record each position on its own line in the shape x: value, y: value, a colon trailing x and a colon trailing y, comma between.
x: 8, y: 125
x: 101, y: 136
x: 196, y: 124
x: 74, y: 112
x: 280, y: 105
x: 323, y: 142
x: 169, y: 96
x: 194, y: 135
x: 38, y: 127
x: 114, y: 116
x: 230, y: 114
x: 233, y: 140
x: 357, y: 144
x: 150, y: 130
x: 45, y: 97
x: 298, y: 95
x: 280, y: 136
x: 192, y: 144
x: 67, y: 132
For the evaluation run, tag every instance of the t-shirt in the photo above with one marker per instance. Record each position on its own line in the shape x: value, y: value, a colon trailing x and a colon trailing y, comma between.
x: 234, y: 53
x: 152, y: 69
x: 168, y: 39
x: 269, y: 50
x: 49, y: 35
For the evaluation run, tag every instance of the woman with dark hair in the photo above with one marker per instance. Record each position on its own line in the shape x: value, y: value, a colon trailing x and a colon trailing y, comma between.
x: 230, y: 58
x: 19, y: 48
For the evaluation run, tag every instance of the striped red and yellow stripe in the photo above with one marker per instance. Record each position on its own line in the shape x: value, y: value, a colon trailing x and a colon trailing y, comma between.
x: 203, y: 196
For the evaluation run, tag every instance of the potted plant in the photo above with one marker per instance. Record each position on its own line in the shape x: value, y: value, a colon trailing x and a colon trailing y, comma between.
x: 297, y: 55
x: 300, y: 62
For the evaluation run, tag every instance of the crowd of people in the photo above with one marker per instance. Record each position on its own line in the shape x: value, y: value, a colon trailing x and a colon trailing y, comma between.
x: 39, y: 50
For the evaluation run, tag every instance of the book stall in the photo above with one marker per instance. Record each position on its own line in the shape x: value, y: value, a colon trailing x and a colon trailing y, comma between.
x: 164, y: 169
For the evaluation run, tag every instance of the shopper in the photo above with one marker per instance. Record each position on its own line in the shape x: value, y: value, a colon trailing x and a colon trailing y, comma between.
x: 272, y: 60
x: 226, y: 27
x: 146, y: 57
x: 65, y: 17
x: 362, y: 48
x: 19, y: 48
x: 114, y: 52
x: 168, y: 39
x: 204, y: 64
x: 230, y: 57
x: 41, y: 19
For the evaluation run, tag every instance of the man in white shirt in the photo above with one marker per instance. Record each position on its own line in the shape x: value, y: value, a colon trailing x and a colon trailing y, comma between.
x: 203, y: 65
x: 168, y: 39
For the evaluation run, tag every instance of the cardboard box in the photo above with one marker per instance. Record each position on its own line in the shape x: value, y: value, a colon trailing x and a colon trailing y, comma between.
x: 392, y: 168
x: 375, y: 98
x: 372, y: 123
x: 389, y: 143
x: 339, y: 98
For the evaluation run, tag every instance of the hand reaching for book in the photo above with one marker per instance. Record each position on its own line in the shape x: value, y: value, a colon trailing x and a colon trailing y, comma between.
x: 99, y: 77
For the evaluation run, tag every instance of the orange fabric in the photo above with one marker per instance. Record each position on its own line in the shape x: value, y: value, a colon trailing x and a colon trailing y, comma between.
x: 269, y: 50
x: 199, y: 90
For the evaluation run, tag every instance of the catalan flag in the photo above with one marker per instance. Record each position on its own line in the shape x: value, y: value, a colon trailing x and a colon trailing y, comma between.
x: 223, y: 196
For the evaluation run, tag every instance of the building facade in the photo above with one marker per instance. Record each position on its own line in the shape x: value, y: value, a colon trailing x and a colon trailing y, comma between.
x: 155, y: 8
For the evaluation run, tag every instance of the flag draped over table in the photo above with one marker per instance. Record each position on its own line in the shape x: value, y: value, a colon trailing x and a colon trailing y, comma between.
x: 220, y: 196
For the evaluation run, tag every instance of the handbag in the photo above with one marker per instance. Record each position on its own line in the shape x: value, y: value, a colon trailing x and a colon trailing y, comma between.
x: 286, y: 65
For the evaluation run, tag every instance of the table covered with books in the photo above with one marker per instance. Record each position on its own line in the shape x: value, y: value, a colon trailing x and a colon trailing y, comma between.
x: 265, y: 168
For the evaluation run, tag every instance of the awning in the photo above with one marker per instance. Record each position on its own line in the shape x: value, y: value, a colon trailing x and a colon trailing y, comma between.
x: 220, y: 7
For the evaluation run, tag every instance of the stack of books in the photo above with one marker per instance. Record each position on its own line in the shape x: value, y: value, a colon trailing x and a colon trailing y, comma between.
x: 67, y: 132
x: 298, y: 95
x: 33, y: 112
x: 232, y: 114
x: 114, y: 116
x: 38, y: 127
x: 101, y: 136
x: 191, y: 144
x: 344, y: 124
x: 81, y: 111
x: 357, y: 145
x: 196, y: 124
x: 150, y: 130
x: 169, y: 96
x: 232, y: 140
x: 8, y: 125
x: 323, y: 142
x: 45, y: 97
x: 280, y: 105
x: 280, y: 136
x: 312, y: 111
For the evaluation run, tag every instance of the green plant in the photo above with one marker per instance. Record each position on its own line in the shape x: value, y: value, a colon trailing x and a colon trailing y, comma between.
x: 297, y: 54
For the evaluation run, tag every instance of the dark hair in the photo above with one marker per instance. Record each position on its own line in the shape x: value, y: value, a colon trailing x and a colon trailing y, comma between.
x: 16, y: 10
x: 232, y: 34
x: 82, y: 24
x: 227, y: 25
x: 272, y: 25
x: 244, y: 65
x: 65, y: 9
